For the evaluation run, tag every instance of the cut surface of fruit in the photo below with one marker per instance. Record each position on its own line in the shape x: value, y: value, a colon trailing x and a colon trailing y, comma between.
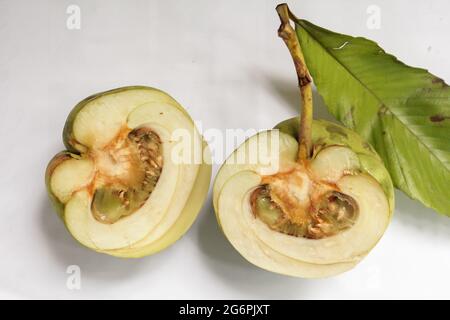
x: 313, y: 218
x: 122, y: 186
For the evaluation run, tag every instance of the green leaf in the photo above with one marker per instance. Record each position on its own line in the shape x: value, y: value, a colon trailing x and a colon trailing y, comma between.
x: 404, y: 112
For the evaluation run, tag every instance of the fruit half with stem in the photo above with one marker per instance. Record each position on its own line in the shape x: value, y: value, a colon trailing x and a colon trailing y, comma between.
x: 309, y: 198
x: 135, y: 173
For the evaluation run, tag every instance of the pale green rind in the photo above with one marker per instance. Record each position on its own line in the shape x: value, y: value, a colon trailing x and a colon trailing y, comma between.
x: 404, y: 112
x: 325, y: 133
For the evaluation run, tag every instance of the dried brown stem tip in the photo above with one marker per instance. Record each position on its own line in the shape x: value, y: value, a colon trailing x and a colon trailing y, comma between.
x: 287, y: 33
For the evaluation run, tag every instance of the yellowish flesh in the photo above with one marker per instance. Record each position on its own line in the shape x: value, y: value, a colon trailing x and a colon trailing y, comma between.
x: 102, y: 119
x: 167, y: 213
x: 293, y: 255
x: 70, y: 176
x: 334, y: 162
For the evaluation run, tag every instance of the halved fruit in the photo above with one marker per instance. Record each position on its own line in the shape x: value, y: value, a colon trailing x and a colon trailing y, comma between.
x: 319, y: 201
x: 314, y: 218
x: 135, y: 174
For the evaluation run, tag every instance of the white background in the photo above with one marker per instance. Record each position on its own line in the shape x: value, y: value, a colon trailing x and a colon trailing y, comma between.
x: 224, y: 62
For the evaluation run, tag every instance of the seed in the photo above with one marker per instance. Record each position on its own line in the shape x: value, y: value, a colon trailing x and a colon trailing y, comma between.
x: 153, y: 163
x: 325, y: 227
x: 332, y: 206
x: 313, y: 229
x: 156, y: 156
x: 153, y: 146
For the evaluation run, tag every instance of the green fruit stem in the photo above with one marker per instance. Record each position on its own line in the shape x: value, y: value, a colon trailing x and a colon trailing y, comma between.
x: 287, y: 33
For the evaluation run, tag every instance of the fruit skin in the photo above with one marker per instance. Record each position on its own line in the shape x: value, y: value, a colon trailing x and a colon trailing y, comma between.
x: 193, y: 204
x: 326, y: 133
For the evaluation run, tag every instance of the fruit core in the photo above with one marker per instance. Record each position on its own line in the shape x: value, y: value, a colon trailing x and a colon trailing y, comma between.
x: 127, y: 171
x: 295, y: 204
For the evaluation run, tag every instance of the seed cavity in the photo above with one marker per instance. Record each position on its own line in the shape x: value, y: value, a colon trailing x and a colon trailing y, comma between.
x: 333, y: 213
x: 140, y: 152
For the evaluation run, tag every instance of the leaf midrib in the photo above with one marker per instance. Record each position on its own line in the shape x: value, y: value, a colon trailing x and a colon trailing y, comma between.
x: 374, y: 95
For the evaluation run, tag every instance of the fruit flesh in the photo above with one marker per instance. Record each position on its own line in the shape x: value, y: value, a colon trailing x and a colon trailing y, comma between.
x: 127, y: 207
x: 289, y: 221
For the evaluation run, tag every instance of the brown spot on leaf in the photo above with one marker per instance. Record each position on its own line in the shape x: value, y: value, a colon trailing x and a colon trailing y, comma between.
x: 437, y: 80
x: 437, y: 118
